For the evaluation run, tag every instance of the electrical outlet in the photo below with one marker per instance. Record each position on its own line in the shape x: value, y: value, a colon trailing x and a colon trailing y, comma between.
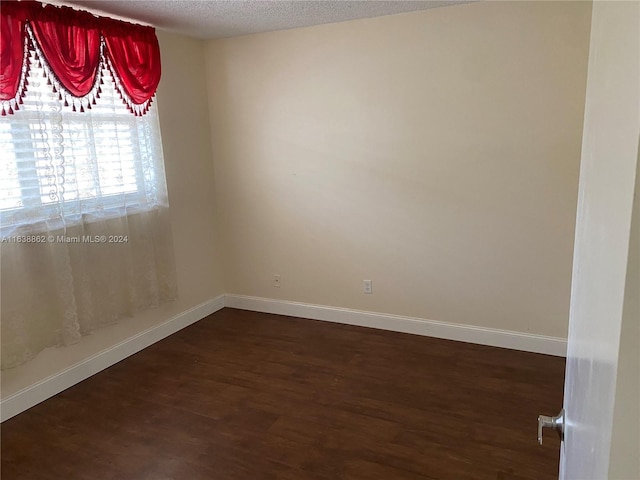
x: 367, y: 286
x: 276, y: 281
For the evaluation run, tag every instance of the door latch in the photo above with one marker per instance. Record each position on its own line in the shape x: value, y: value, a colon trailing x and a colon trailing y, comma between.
x: 555, y: 423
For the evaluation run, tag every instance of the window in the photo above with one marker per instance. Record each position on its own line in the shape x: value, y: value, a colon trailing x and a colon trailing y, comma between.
x: 84, y: 218
x: 60, y: 165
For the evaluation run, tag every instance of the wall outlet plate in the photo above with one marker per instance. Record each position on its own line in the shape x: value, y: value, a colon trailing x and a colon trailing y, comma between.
x: 367, y: 286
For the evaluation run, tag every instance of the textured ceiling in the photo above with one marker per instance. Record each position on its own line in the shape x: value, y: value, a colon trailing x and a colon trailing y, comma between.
x: 226, y: 18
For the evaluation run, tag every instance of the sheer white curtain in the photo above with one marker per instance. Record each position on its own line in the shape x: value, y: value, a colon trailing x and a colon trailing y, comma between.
x: 84, y: 219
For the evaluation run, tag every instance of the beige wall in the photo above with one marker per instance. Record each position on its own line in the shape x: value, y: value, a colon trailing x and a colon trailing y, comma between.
x: 434, y: 152
x: 184, y: 121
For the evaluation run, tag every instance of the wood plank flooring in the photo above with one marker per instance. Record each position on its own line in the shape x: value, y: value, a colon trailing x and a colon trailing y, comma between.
x: 248, y: 396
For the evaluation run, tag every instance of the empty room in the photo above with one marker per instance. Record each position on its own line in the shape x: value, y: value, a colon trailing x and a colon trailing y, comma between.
x: 320, y: 239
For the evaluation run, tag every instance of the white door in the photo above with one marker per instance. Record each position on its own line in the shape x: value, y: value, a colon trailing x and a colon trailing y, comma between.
x: 607, y: 180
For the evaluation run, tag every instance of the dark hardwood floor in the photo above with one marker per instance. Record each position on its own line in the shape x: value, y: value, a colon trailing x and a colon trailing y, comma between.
x: 243, y: 395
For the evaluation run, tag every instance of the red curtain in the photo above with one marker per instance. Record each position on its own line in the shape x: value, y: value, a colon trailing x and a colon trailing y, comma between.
x: 12, y: 38
x: 69, y: 41
x: 136, y: 59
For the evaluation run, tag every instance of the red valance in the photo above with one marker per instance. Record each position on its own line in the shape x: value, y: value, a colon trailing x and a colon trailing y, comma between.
x: 75, y: 45
x: 136, y: 60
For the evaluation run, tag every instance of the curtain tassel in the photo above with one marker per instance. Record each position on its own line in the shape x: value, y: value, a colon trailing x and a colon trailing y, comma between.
x: 55, y: 90
x: 66, y: 103
x: 81, y: 108
x: 4, y: 114
x: 10, y: 110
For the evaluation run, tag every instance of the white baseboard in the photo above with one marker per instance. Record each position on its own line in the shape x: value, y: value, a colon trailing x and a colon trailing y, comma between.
x: 50, y: 386
x: 418, y: 326
x: 40, y: 391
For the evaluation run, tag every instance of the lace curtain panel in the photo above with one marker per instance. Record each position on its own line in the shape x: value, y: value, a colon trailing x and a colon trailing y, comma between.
x: 84, y: 213
x: 55, y: 292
